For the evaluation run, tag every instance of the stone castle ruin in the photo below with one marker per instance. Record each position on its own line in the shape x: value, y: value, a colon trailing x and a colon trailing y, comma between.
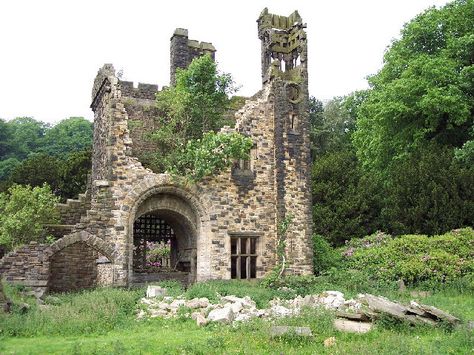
x: 224, y: 227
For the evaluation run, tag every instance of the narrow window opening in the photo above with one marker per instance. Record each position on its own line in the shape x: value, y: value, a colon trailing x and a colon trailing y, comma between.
x: 297, y: 61
x: 243, y: 260
x: 293, y: 122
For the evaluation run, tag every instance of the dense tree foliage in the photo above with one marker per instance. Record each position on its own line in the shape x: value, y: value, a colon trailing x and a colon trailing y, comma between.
x: 424, y: 92
x: 193, y: 111
x: 67, y: 137
x: 346, y: 202
x: 23, y: 212
x: 32, y: 152
x: 398, y: 157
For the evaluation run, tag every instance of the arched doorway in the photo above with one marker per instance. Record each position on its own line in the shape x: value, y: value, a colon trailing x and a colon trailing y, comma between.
x: 80, y: 261
x: 164, y: 235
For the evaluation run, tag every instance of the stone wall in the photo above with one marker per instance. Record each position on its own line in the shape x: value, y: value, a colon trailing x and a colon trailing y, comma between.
x: 70, y: 212
x: 28, y: 265
x: 73, y: 268
x: 143, y: 118
x: 70, y: 263
x: 142, y: 91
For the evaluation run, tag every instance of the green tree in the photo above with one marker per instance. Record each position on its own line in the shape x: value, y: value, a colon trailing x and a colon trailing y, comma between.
x: 346, y: 202
x: 198, y: 101
x: 424, y: 92
x: 7, y: 166
x: 193, y: 111
x: 74, y: 172
x: 68, y: 136
x: 26, y: 136
x: 38, y: 169
x: 5, y: 140
x: 428, y: 192
x: 23, y: 213
x: 331, y: 132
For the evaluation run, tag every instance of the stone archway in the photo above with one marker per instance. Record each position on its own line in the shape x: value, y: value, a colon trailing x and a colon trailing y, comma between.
x: 80, y: 261
x: 164, y: 218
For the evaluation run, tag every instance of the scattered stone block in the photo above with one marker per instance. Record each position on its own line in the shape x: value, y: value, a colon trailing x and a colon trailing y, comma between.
x: 201, y: 320
x: 155, y: 291
x: 221, y: 315
x: 158, y: 313
x: 280, y: 311
x: 330, y: 299
x: 281, y: 330
x: 197, y: 303
x: 345, y: 325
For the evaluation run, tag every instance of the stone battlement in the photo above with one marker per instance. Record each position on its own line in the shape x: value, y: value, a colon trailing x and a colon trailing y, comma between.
x: 183, y: 50
x: 142, y: 91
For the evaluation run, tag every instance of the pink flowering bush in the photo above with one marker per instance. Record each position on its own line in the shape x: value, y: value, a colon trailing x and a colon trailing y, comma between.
x: 157, y: 255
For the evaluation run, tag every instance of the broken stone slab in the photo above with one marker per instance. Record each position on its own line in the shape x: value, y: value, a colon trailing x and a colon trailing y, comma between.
x: 416, y: 309
x: 243, y: 317
x: 155, y: 291
x: 352, y: 305
x: 236, y: 307
x: 245, y: 302
x: 442, y: 315
x: 281, y: 330
x: 221, y: 315
x: 361, y: 317
x: 345, y: 325
x: 176, y: 304
x: 383, y: 305
x: 416, y: 319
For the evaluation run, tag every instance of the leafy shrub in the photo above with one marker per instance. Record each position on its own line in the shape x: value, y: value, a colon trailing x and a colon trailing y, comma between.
x: 324, y: 256
x: 23, y: 213
x: 209, y: 155
x: 413, y: 258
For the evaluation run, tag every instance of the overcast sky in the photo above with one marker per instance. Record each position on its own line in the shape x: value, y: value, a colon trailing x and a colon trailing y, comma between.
x: 50, y: 51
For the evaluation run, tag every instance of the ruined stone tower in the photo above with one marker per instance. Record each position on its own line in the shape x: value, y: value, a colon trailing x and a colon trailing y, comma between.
x: 184, y: 50
x: 226, y: 226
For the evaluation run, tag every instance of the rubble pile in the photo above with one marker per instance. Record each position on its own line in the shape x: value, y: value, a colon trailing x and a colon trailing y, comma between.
x: 353, y: 315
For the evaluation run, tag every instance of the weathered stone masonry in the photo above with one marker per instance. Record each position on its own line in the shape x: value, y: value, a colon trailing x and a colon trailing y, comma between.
x: 248, y: 201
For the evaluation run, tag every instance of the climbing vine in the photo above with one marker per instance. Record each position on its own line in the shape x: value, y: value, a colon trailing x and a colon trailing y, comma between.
x: 281, y: 243
x: 279, y: 269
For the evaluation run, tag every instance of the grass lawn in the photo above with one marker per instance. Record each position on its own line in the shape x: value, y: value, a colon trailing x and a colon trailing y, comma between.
x: 84, y: 331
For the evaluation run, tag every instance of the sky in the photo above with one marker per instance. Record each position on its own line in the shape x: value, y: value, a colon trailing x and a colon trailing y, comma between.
x: 50, y: 51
